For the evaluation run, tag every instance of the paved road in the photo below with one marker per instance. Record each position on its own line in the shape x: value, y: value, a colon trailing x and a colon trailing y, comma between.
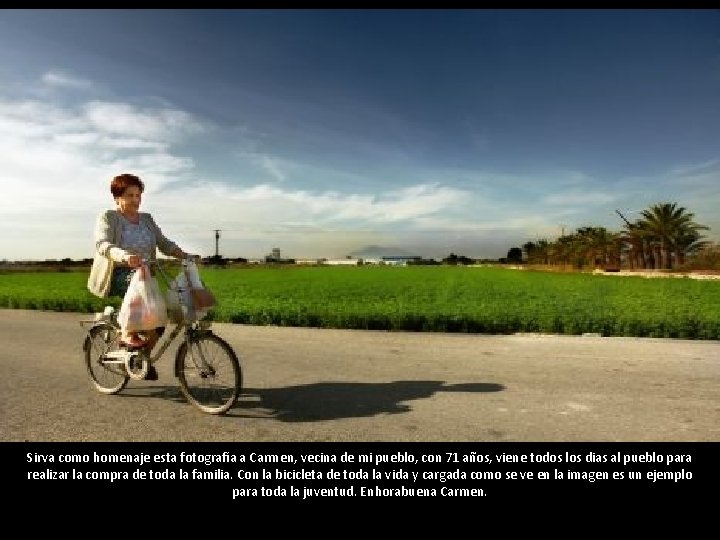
x: 335, y: 385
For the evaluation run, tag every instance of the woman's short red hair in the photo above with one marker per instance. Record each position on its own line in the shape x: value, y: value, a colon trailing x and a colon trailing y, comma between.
x: 120, y: 183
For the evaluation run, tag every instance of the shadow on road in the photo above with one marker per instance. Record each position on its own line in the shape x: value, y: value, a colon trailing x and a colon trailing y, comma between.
x: 334, y: 400
x: 324, y: 401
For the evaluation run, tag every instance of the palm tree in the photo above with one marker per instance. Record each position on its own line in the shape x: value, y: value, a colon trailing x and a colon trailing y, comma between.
x: 542, y: 250
x: 635, y: 241
x: 564, y: 250
x: 668, y: 226
x: 537, y: 252
x: 688, y: 242
x: 596, y: 246
x: 529, y: 249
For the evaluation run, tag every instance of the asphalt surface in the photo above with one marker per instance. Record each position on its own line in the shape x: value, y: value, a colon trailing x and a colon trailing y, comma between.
x: 336, y: 385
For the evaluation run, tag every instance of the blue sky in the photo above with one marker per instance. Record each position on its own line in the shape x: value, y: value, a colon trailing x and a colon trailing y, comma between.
x: 322, y: 132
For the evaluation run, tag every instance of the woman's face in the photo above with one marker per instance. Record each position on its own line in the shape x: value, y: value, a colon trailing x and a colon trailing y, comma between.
x: 129, y: 201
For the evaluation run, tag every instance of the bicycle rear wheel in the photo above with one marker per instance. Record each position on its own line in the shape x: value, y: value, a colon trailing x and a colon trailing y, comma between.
x: 209, y: 373
x: 109, y: 377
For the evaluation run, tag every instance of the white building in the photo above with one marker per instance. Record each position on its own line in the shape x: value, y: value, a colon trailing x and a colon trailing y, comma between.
x: 400, y: 260
x: 344, y: 262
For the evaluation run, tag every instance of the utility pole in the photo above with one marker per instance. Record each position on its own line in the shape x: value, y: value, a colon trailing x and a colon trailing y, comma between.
x: 217, y: 239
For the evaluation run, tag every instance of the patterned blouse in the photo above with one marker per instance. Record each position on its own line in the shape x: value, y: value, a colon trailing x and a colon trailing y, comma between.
x: 137, y: 238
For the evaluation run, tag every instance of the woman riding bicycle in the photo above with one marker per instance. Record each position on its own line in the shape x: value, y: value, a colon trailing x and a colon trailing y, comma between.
x: 123, y: 238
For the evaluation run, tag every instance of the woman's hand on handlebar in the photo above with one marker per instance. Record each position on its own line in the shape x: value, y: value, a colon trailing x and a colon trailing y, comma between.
x: 191, y: 257
x: 134, y: 261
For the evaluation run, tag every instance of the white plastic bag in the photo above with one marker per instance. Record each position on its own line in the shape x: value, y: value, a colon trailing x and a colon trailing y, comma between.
x: 202, y: 298
x: 188, y: 290
x: 143, y: 307
x: 175, y: 302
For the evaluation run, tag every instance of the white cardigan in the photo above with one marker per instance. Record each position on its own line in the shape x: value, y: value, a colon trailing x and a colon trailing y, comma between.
x: 108, y: 252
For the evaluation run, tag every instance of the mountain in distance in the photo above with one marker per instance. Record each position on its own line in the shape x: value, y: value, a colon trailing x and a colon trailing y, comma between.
x: 378, y: 252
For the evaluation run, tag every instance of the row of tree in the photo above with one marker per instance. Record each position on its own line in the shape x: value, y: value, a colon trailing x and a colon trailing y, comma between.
x: 661, y: 238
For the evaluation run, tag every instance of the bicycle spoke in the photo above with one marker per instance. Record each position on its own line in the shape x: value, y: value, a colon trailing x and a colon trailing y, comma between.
x: 108, y: 378
x: 210, y: 374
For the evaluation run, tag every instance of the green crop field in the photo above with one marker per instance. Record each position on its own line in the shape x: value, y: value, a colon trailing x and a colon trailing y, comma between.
x: 422, y: 298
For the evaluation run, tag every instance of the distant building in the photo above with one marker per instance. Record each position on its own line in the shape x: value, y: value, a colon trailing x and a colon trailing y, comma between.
x: 349, y: 261
x: 400, y: 260
x: 274, y: 257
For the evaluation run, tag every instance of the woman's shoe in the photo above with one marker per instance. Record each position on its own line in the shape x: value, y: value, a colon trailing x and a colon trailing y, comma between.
x: 132, y: 341
x: 152, y: 374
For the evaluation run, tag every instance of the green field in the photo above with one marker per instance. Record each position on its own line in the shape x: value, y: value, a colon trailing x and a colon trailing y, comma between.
x: 423, y: 298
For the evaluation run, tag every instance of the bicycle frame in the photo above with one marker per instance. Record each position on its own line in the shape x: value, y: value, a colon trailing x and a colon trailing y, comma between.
x: 190, y: 327
x: 206, y: 366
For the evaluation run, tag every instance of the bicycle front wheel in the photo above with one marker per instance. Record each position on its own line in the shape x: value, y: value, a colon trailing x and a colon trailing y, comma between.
x: 209, y: 373
x: 108, y: 376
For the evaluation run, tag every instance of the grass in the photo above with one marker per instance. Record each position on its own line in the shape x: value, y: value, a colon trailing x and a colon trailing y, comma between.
x: 422, y: 298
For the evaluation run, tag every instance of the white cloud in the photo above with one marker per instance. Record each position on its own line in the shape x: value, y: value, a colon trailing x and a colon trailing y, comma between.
x: 271, y: 165
x: 128, y: 120
x: 65, y: 80
x: 58, y: 161
x: 699, y: 193
x: 262, y: 205
x: 28, y: 119
x: 711, y: 166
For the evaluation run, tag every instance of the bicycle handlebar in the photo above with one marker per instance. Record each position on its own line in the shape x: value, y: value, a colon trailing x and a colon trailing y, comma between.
x: 184, y: 260
x: 156, y: 263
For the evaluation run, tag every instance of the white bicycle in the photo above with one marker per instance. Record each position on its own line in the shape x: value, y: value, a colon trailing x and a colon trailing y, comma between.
x: 206, y: 366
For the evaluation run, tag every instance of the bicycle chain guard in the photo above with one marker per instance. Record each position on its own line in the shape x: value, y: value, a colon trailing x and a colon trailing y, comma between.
x: 137, y: 365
